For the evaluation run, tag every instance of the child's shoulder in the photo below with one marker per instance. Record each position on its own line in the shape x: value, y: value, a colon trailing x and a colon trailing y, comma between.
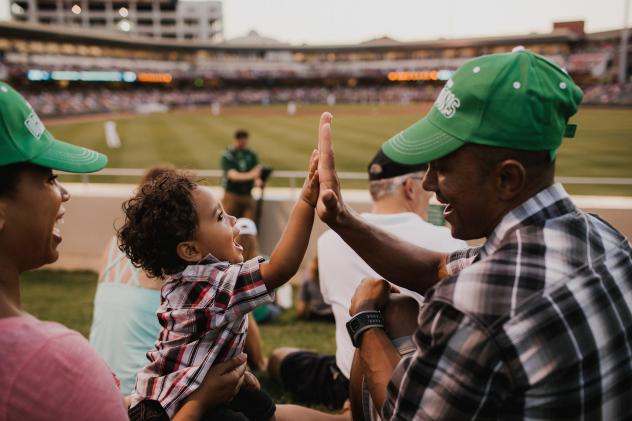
x: 202, y: 270
x: 211, y: 268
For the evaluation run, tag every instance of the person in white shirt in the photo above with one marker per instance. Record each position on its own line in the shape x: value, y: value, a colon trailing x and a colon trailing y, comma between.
x: 400, y: 206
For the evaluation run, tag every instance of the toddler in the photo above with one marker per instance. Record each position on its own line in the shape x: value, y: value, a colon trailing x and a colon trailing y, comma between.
x: 176, y: 229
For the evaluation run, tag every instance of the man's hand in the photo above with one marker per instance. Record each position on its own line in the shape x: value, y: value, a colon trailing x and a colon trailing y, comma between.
x: 255, y: 172
x: 310, y: 187
x: 222, y: 382
x: 371, y: 294
x: 220, y: 385
x: 330, y: 207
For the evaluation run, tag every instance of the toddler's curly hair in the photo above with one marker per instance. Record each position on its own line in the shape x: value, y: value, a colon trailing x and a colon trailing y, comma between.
x: 161, y: 215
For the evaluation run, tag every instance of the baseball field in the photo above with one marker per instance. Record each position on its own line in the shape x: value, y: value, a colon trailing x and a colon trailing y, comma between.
x: 195, y: 139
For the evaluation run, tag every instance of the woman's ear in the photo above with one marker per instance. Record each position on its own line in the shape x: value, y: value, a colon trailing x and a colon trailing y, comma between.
x: 189, y: 251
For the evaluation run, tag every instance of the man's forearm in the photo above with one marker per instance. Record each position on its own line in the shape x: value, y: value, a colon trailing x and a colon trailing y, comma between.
x: 398, y: 261
x: 378, y: 358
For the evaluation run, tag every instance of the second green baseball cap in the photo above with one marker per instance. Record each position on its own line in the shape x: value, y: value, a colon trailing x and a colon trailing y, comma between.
x: 517, y: 100
x: 23, y: 138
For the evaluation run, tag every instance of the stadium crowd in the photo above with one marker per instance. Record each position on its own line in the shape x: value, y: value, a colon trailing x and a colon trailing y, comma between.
x: 56, y: 102
x: 532, y: 324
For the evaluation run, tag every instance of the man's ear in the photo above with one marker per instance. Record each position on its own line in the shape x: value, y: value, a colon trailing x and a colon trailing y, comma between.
x: 189, y: 251
x: 511, y: 179
x: 409, y: 188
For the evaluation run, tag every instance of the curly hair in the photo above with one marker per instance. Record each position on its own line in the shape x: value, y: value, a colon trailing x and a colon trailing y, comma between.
x: 161, y: 215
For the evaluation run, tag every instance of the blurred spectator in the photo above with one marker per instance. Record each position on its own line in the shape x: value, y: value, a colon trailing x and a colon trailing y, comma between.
x: 310, y: 304
x: 124, y: 325
x: 250, y: 243
x: 241, y: 173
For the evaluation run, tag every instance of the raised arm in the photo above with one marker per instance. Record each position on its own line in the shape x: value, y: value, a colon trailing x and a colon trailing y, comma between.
x: 407, y: 265
x: 289, y: 251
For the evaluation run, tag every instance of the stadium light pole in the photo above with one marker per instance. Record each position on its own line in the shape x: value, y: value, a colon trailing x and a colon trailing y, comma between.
x: 623, y: 53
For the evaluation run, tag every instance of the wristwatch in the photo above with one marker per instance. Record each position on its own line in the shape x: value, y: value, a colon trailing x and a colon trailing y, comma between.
x: 361, y: 322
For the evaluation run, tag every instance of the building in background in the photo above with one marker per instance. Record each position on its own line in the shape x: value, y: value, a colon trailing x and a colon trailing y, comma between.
x: 65, y: 70
x: 182, y: 20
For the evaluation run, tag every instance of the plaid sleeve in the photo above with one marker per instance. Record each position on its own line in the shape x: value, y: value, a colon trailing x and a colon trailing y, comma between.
x: 241, y: 289
x: 458, y: 260
x: 455, y: 373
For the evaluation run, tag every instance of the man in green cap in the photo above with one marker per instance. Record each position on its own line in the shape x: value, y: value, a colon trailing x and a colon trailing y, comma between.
x: 536, y: 322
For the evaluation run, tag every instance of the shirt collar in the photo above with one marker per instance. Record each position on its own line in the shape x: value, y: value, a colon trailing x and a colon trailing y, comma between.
x: 549, y: 203
x: 209, y: 259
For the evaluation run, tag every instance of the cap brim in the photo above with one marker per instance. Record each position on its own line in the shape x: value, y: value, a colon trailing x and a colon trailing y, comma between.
x: 64, y: 156
x: 420, y: 143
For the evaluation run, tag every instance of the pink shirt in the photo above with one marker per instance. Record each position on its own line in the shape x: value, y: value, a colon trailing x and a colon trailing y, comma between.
x: 49, y: 372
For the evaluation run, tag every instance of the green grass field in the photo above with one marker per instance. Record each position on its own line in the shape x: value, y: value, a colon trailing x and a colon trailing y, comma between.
x: 195, y: 139
x: 68, y: 298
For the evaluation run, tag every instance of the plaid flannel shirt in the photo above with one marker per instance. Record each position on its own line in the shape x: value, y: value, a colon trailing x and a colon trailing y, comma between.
x: 203, y: 317
x: 535, y: 324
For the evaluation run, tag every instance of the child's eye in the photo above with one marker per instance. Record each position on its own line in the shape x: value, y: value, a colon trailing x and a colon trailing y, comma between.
x: 53, y: 179
x: 220, y: 217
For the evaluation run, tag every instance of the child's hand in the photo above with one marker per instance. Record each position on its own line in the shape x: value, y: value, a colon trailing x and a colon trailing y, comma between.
x: 311, y: 185
x: 251, y: 383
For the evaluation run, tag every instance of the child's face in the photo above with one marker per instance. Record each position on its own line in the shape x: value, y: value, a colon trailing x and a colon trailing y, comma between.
x: 216, y: 233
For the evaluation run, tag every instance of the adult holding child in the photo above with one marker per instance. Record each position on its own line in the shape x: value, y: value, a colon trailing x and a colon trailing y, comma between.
x: 535, y: 324
x: 50, y: 372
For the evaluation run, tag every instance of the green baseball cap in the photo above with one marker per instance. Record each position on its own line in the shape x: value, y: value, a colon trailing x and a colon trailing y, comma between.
x: 23, y: 138
x: 517, y: 100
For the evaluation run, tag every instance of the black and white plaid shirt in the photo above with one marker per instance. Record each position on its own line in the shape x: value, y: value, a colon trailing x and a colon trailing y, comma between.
x: 535, y: 324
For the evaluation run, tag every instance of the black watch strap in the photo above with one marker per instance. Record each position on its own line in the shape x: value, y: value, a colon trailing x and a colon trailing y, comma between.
x: 361, y: 322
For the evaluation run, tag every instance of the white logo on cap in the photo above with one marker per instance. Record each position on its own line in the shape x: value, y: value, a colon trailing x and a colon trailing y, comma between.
x: 34, y: 125
x: 447, y: 103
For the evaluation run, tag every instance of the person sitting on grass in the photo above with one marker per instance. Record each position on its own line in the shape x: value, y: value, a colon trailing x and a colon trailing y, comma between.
x: 310, y: 304
x: 124, y: 325
x: 249, y: 240
x: 178, y: 230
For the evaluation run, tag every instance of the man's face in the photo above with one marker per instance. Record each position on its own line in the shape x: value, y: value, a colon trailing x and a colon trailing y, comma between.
x: 241, y: 142
x: 458, y: 182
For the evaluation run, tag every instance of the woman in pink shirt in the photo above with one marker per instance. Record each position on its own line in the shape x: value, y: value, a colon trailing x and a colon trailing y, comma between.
x: 49, y: 372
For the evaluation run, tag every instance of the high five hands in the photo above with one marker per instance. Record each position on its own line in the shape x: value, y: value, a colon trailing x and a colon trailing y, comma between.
x: 330, y: 207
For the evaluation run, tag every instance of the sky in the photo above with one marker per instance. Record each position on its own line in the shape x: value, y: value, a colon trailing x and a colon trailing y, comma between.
x: 353, y: 21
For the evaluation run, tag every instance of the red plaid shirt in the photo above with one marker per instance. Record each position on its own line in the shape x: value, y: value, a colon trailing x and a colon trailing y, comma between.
x: 203, y: 317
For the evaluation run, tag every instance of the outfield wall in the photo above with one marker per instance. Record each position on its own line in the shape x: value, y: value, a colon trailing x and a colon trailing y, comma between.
x: 95, y: 209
